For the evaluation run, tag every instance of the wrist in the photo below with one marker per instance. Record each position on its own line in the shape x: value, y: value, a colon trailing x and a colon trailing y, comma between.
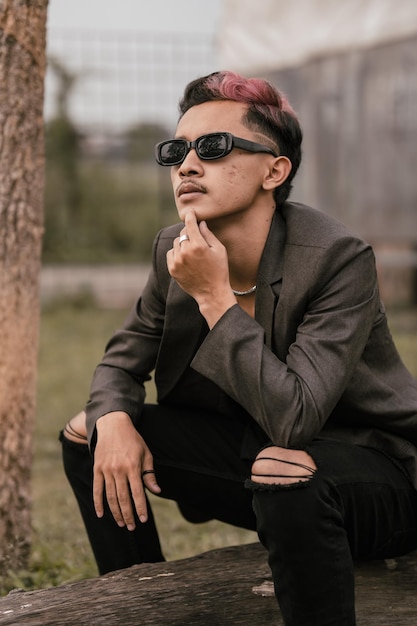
x: 212, y: 309
x: 113, y: 417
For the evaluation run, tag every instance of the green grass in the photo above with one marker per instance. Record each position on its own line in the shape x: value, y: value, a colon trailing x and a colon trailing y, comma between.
x: 73, y: 337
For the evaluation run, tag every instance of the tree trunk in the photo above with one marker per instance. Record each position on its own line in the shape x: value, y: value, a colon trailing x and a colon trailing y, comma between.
x: 22, y: 69
x: 225, y: 587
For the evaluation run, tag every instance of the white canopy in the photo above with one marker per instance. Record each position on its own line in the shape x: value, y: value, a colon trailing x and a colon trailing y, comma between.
x: 256, y: 35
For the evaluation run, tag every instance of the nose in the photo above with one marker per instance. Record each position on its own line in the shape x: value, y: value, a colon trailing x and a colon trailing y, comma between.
x: 192, y: 164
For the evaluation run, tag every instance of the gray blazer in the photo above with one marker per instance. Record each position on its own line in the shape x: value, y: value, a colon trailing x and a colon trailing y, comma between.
x: 317, y: 360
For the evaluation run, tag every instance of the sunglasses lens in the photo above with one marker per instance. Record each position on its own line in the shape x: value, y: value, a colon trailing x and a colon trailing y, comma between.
x: 172, y: 152
x: 212, y: 146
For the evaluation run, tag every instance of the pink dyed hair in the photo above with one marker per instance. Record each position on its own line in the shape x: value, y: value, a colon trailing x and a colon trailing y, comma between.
x: 248, y: 90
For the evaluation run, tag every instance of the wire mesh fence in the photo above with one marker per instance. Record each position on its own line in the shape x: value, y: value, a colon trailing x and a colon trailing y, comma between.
x: 111, y: 80
x: 109, y: 97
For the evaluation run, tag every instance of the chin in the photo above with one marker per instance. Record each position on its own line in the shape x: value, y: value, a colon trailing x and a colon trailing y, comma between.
x: 183, y: 210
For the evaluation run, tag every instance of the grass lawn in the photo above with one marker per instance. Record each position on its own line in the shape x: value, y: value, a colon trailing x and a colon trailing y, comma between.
x: 72, y: 342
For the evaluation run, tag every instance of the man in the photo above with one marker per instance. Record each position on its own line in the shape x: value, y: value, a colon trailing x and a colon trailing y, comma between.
x: 283, y: 404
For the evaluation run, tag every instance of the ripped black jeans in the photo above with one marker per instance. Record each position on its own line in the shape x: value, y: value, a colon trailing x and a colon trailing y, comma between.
x: 358, y: 505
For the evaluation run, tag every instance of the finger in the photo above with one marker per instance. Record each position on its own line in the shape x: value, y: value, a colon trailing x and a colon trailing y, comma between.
x: 183, y: 231
x: 139, y: 498
x: 98, y: 486
x: 170, y: 259
x: 178, y: 241
x: 191, y: 226
x: 183, y: 238
x: 150, y: 482
x: 209, y: 237
x: 120, y: 502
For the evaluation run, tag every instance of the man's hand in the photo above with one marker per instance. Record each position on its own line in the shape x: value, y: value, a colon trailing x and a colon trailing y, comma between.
x: 120, y: 458
x: 200, y: 266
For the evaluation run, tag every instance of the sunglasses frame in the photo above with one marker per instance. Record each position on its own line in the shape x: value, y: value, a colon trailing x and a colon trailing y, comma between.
x: 231, y: 142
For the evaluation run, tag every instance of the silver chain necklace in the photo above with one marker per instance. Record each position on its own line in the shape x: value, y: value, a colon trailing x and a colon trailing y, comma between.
x: 244, y: 293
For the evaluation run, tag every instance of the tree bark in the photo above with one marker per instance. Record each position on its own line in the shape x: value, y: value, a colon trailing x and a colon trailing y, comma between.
x: 22, y: 70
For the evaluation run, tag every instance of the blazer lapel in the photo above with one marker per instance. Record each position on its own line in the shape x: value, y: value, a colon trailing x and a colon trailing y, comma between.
x: 270, y: 277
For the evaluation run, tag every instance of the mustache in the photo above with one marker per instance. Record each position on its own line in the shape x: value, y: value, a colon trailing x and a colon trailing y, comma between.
x: 187, y: 186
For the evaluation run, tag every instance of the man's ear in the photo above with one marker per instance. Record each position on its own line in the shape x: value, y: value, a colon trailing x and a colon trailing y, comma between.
x: 278, y: 172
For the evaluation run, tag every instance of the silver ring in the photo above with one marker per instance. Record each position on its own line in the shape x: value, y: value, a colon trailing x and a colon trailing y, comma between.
x: 184, y: 238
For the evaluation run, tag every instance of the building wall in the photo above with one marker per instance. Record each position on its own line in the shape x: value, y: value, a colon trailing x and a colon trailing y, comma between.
x: 359, y: 115
x: 359, y: 118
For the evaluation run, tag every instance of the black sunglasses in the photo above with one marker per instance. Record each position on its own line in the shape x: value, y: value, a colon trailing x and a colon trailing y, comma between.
x: 208, y: 147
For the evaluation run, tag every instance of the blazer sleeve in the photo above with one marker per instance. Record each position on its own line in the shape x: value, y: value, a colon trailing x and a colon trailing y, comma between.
x: 292, y: 398
x: 130, y: 355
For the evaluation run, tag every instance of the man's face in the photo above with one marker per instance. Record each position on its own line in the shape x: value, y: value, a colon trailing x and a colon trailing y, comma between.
x: 226, y: 186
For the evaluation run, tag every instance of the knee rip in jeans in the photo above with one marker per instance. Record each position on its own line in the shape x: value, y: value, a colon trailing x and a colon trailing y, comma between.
x: 280, y: 468
x: 74, y: 435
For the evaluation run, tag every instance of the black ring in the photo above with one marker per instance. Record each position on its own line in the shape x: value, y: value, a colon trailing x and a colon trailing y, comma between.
x: 147, y: 472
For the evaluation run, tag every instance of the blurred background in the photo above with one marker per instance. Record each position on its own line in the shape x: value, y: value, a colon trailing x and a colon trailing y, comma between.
x: 115, y: 74
x: 113, y: 83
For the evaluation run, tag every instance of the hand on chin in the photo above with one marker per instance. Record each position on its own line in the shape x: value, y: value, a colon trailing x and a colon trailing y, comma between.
x: 182, y: 212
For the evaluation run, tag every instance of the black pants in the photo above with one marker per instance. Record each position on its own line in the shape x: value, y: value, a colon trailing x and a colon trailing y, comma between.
x: 358, y: 505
